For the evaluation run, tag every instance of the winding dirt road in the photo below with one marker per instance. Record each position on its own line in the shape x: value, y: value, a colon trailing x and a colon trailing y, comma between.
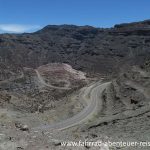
x: 94, y: 98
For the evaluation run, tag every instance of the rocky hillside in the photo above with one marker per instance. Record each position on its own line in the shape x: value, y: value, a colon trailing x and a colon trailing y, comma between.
x: 84, y: 47
x: 127, y: 96
x: 39, y: 87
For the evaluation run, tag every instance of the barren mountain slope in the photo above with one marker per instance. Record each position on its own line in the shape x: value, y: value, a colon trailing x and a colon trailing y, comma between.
x: 105, y: 97
x: 83, y: 47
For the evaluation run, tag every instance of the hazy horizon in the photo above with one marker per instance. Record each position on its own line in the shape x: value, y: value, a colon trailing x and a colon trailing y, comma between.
x: 31, y: 15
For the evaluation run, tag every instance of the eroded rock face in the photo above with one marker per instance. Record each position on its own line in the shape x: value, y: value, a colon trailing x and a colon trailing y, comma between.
x: 130, y: 91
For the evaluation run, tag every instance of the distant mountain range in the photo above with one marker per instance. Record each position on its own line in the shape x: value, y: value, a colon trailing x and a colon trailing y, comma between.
x: 86, y: 48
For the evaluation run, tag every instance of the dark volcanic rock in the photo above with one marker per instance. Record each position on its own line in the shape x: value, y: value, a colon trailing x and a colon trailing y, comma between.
x: 84, y: 47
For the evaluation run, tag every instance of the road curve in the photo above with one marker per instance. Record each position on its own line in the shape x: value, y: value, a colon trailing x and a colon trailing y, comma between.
x: 87, y: 112
x: 41, y: 80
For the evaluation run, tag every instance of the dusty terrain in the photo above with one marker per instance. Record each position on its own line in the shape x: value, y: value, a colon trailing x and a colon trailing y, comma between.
x: 117, y: 110
x: 70, y: 83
